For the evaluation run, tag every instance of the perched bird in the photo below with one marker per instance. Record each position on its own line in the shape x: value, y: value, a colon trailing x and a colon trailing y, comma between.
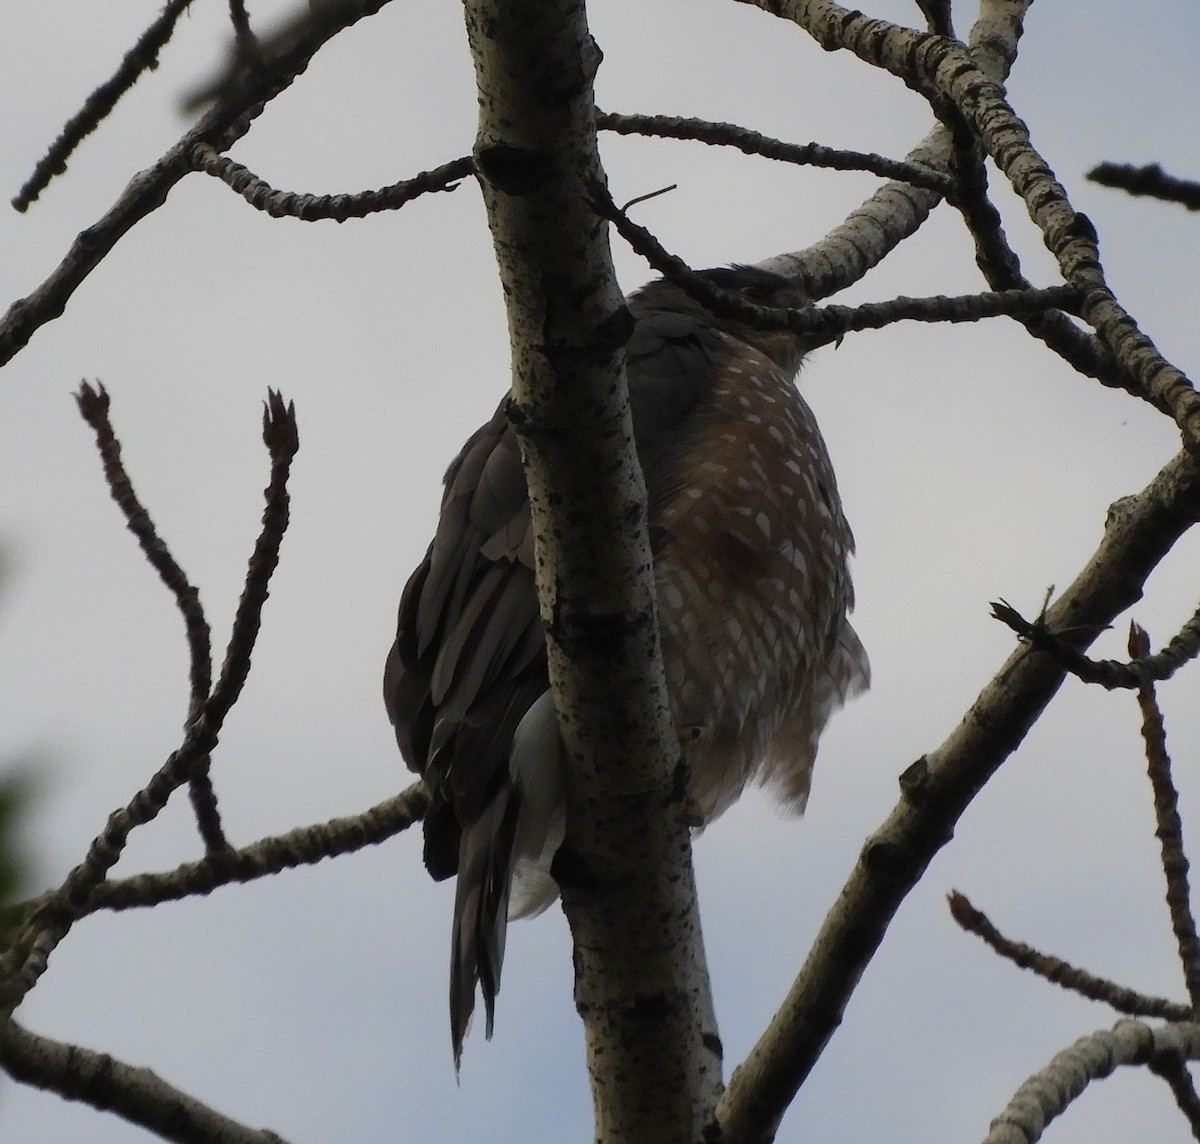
x: 750, y: 560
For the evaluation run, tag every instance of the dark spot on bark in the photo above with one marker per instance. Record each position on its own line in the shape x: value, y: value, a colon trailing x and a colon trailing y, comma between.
x: 889, y: 860
x: 570, y: 871
x: 915, y: 779
x: 614, y: 331
x: 1083, y: 227
x: 515, y: 170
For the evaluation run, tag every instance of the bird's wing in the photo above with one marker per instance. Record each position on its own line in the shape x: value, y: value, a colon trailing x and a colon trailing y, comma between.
x: 669, y: 361
x: 469, y: 659
x: 469, y: 656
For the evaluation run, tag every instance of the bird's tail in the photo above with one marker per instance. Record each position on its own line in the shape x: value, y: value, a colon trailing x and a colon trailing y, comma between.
x: 506, y: 854
x: 481, y: 913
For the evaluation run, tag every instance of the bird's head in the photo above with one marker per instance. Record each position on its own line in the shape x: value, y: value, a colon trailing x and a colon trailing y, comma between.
x: 761, y: 287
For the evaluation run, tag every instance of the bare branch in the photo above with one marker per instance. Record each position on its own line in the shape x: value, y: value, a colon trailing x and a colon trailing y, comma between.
x: 1150, y: 180
x: 93, y: 405
x: 1047, y: 1094
x: 282, y: 439
x: 943, y: 69
x: 1169, y: 826
x: 1108, y: 673
x: 249, y: 50
x: 304, y: 846
x: 752, y: 143
x: 934, y: 794
x: 869, y: 233
x: 1172, y: 1069
x: 641, y: 986
x: 203, y: 798
x: 1062, y: 973
x: 30, y: 953
x: 220, y: 127
x: 835, y: 321
x: 1001, y: 267
x: 937, y: 15
x: 824, y: 324
x: 111, y: 1085
x: 310, y: 208
x: 897, y: 210
x: 142, y: 57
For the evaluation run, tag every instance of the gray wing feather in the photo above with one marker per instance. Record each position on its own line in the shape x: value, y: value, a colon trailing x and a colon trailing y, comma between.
x: 470, y: 659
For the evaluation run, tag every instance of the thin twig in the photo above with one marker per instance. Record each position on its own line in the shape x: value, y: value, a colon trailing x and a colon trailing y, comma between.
x: 312, y: 208
x: 1150, y: 180
x: 823, y: 324
x: 45, y: 929
x: 1108, y: 673
x: 1172, y: 1068
x: 30, y: 953
x: 839, y: 320
x: 94, y: 405
x: 111, y: 1085
x: 249, y: 50
x: 142, y: 57
x: 203, y: 798
x: 221, y: 126
x: 1062, y: 973
x: 282, y: 439
x: 304, y: 846
x: 1168, y: 824
x: 752, y: 143
x: 649, y: 195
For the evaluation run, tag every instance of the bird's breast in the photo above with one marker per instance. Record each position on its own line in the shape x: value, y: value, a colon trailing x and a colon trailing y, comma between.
x: 752, y: 583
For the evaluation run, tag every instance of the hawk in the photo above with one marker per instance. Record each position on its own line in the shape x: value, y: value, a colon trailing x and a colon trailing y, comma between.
x: 750, y: 554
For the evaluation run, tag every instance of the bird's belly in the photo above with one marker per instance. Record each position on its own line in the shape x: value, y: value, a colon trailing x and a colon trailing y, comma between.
x: 744, y: 647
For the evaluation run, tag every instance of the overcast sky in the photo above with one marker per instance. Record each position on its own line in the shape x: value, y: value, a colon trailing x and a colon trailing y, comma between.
x: 973, y: 464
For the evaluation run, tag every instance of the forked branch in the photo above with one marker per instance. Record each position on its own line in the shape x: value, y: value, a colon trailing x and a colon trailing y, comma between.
x: 29, y: 954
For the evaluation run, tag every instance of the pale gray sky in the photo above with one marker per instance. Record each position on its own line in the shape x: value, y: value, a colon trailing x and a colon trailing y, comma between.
x: 973, y: 465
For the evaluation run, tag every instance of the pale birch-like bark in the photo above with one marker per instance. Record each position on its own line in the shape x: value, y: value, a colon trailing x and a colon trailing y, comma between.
x: 935, y: 791
x: 641, y: 986
x: 897, y: 209
x: 1049, y: 1092
x: 136, y: 1094
x: 641, y: 982
x: 945, y: 68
